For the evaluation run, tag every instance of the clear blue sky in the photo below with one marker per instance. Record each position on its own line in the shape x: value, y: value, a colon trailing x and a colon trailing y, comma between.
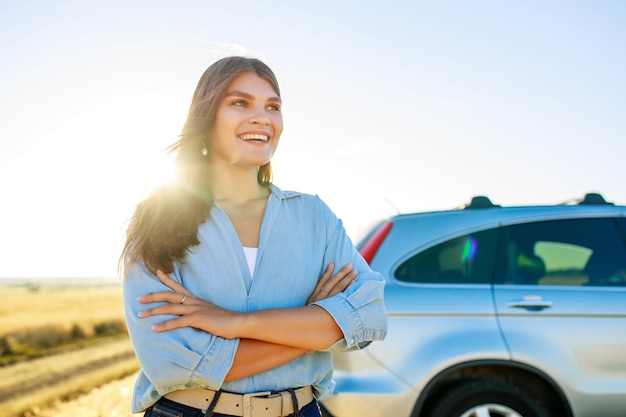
x: 417, y: 105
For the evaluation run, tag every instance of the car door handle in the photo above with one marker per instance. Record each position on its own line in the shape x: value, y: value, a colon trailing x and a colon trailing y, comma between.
x: 532, y: 302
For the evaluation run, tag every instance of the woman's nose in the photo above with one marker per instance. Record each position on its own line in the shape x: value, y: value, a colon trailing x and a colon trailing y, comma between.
x: 261, y: 117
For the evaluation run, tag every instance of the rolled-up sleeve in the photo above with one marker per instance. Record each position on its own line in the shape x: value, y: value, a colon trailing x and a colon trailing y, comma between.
x: 359, y: 310
x: 177, y: 358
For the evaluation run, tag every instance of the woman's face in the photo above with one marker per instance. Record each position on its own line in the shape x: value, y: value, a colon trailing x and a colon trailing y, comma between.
x: 248, y: 123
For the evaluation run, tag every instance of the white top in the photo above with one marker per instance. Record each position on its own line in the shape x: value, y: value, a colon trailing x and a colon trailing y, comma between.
x: 251, y: 258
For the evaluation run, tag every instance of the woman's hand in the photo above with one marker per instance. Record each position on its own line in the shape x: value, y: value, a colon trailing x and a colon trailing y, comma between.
x: 191, y: 311
x: 329, y: 284
x: 203, y: 315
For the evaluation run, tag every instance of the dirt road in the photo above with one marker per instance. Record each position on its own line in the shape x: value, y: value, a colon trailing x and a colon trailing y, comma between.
x: 109, y: 400
x: 27, y: 385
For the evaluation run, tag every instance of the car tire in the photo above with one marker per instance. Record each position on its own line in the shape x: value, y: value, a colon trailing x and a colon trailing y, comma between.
x: 482, y: 397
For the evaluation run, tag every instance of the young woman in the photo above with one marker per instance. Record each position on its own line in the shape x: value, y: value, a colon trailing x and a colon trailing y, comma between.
x: 231, y: 296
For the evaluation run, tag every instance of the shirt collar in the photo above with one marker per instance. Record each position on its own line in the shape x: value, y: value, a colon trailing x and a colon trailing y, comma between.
x: 283, y: 195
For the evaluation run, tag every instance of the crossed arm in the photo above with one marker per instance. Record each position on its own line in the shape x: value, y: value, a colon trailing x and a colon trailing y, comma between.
x: 268, y: 338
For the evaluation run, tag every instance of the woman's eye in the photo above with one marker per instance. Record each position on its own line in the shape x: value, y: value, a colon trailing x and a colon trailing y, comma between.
x: 239, y: 103
x: 273, y: 107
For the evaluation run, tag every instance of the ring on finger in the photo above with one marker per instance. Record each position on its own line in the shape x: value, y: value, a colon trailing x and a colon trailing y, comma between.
x: 324, y: 289
x: 183, y: 299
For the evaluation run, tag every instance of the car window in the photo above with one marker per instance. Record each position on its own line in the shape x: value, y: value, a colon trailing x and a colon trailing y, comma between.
x: 467, y: 259
x: 571, y: 252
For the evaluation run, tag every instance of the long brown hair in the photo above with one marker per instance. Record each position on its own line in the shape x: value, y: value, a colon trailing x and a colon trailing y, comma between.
x: 165, y: 225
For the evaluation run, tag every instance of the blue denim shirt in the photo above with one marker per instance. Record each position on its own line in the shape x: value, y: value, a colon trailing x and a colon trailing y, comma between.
x: 300, y: 237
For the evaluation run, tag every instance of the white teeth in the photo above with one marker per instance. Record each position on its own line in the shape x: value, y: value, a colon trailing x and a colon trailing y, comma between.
x: 255, y: 136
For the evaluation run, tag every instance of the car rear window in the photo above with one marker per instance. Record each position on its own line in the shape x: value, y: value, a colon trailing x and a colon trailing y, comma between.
x: 467, y: 259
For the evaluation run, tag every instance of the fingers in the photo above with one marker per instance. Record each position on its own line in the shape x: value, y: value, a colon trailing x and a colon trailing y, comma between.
x: 176, y: 303
x: 172, y: 307
x: 169, y: 309
x: 176, y: 323
x: 170, y: 324
x: 199, y: 315
x: 169, y: 282
x: 329, y: 284
x: 340, y: 281
x: 328, y: 272
x: 166, y: 297
x: 178, y: 295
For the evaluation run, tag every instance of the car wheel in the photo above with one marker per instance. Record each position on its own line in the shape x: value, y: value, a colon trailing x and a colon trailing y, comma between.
x: 486, y: 398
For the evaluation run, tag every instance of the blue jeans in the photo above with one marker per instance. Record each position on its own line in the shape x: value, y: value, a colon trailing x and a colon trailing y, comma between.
x: 168, y: 408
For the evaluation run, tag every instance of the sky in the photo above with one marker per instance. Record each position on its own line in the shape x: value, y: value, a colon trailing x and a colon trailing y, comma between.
x: 389, y: 107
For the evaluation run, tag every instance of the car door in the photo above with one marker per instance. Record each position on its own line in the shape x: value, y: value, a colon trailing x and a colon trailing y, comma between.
x: 440, y: 308
x: 560, y: 294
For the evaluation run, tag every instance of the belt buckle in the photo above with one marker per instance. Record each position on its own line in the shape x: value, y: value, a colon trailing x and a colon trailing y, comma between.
x: 247, y: 401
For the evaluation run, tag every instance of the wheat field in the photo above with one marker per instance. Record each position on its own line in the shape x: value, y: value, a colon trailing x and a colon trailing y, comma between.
x: 24, y: 307
x: 109, y: 400
x: 58, y: 345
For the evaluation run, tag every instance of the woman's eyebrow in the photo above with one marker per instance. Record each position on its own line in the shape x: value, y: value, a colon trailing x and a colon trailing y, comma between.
x: 237, y: 93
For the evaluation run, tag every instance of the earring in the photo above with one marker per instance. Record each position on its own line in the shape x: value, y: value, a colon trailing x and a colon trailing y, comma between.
x: 204, y: 151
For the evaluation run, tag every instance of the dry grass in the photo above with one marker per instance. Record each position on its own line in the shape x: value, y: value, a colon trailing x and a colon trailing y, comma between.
x: 56, y: 366
x: 83, y: 329
x: 35, y: 323
x: 23, y: 308
x: 109, y: 400
x: 54, y: 396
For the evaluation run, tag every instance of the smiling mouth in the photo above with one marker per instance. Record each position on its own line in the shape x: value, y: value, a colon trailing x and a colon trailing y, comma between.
x: 255, y: 137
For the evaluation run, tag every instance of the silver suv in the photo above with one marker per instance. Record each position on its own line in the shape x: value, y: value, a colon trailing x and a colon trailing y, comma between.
x: 495, y: 311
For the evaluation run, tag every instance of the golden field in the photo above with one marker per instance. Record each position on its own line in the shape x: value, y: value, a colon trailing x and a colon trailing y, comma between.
x: 59, y: 341
x: 25, y: 307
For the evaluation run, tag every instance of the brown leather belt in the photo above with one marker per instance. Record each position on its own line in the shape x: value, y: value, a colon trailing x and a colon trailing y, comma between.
x: 256, y: 404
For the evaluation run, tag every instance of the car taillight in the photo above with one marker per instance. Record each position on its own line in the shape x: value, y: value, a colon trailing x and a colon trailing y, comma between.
x: 369, y: 248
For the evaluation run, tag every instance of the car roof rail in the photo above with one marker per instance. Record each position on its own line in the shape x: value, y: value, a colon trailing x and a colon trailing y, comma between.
x: 479, y: 202
x: 594, y: 199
